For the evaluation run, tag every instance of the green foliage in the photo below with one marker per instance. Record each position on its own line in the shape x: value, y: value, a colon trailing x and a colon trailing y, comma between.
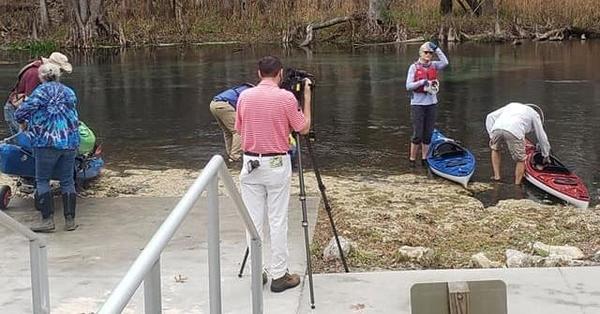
x: 36, y: 48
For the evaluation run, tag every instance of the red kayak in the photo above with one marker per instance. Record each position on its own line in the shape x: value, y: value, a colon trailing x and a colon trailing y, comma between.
x: 554, y: 178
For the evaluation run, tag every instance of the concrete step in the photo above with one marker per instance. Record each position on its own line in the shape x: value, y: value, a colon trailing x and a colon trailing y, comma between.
x: 572, y: 290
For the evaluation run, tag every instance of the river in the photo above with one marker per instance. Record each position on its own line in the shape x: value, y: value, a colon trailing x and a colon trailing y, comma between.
x: 149, y: 107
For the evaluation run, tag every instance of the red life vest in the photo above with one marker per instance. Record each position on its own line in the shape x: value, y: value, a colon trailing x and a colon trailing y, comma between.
x: 424, y: 73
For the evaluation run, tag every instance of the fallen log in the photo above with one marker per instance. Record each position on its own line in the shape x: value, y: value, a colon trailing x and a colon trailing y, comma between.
x: 412, y: 40
x: 554, y: 35
x: 488, y: 37
x: 310, y: 28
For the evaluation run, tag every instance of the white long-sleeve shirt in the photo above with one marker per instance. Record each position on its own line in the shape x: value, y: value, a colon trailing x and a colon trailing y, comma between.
x: 424, y: 99
x: 518, y: 119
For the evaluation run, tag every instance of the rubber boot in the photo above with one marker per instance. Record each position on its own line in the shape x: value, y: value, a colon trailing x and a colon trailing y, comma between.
x: 45, y: 225
x: 36, y: 202
x: 46, y: 206
x: 69, y: 203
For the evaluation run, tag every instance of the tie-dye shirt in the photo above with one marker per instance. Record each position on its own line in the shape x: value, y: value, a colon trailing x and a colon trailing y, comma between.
x: 51, y: 116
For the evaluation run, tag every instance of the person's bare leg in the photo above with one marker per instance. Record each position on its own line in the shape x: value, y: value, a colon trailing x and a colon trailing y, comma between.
x: 519, y: 172
x: 414, y: 149
x: 496, y: 159
x: 424, y: 150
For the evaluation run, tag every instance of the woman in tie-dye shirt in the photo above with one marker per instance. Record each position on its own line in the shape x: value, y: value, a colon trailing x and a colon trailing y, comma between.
x: 52, y: 121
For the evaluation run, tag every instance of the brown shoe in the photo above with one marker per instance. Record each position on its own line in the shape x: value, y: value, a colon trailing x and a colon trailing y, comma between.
x: 287, y: 281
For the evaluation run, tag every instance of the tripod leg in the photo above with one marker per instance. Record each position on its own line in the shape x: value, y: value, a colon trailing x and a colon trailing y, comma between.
x: 326, y: 202
x: 244, y: 262
x: 305, y: 222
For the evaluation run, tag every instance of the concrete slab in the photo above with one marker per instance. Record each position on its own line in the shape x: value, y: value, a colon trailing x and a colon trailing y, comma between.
x: 85, y: 265
x: 530, y: 290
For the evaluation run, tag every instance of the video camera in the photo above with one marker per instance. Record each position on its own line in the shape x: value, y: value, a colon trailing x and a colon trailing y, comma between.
x: 293, y: 80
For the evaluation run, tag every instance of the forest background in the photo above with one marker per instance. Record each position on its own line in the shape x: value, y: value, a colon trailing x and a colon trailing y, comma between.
x: 96, y: 23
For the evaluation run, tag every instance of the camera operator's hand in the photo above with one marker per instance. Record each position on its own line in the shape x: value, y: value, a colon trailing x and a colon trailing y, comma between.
x: 307, y: 84
x: 307, y: 91
x: 307, y: 106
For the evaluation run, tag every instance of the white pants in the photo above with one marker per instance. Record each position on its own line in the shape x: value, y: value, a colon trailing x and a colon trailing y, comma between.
x: 266, y: 194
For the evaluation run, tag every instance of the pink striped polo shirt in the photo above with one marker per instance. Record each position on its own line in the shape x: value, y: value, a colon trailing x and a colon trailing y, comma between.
x: 265, y: 116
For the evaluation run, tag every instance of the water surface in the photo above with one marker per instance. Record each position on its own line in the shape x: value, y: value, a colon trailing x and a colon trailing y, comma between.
x: 149, y: 106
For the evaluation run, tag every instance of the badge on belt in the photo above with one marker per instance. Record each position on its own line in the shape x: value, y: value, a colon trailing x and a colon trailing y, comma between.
x: 276, y: 162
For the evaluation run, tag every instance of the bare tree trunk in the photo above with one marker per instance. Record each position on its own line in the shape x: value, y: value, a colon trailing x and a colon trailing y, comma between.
x: 149, y: 7
x: 244, y: 8
x: 375, y: 15
x: 87, y: 22
x: 43, y: 14
x: 446, y: 7
x: 34, y: 32
x: 227, y: 7
x: 475, y: 6
x: 124, y: 8
x: 179, y: 13
x: 172, y: 8
x: 83, y: 9
x: 488, y: 7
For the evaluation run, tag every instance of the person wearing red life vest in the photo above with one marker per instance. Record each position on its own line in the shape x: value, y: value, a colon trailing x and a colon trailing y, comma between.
x: 422, y: 82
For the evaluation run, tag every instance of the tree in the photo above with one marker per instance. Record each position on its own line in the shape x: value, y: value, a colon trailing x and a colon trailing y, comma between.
x: 88, y: 22
x: 479, y: 7
x: 376, y: 13
x: 446, y: 7
x: 43, y: 14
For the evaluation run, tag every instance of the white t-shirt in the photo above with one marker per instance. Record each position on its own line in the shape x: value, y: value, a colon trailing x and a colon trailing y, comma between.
x: 518, y: 119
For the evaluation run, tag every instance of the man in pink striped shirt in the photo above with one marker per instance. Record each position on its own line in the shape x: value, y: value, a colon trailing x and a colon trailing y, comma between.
x: 266, y: 115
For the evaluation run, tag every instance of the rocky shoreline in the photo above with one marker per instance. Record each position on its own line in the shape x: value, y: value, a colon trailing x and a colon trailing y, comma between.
x: 408, y: 221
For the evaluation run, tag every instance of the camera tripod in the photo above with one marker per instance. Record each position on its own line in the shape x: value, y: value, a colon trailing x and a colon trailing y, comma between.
x: 309, y: 139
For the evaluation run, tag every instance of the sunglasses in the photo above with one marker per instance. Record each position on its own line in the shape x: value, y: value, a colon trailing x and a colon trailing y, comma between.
x: 428, y: 52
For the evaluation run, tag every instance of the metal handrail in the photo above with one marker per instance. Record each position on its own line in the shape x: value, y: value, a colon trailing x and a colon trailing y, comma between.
x: 38, y: 261
x: 147, y: 266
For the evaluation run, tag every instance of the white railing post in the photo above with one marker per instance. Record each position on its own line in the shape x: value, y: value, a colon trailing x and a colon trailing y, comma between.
x: 152, y: 294
x: 214, y: 254
x: 146, y: 267
x: 38, y: 261
x: 255, y: 240
x: 256, y: 261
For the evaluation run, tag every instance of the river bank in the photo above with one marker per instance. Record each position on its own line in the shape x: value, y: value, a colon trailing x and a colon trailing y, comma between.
x: 137, y: 23
x: 380, y: 214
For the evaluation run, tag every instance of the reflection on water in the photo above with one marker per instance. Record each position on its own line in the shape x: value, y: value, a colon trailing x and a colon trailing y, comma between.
x: 150, y: 106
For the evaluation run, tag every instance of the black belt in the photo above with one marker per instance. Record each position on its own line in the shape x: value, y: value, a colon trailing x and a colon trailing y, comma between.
x: 264, y: 155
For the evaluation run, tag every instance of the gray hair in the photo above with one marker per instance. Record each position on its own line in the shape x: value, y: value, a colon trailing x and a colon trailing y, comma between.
x: 49, y: 72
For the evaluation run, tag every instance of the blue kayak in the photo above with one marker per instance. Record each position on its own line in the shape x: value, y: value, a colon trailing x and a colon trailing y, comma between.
x: 450, y: 160
x: 16, y: 159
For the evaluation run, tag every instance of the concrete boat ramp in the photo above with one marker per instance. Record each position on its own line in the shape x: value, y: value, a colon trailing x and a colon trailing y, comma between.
x: 85, y: 265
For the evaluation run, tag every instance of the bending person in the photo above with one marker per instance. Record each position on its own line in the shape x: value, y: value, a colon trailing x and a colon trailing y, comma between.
x: 53, y: 122
x: 223, y: 108
x: 509, y: 125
